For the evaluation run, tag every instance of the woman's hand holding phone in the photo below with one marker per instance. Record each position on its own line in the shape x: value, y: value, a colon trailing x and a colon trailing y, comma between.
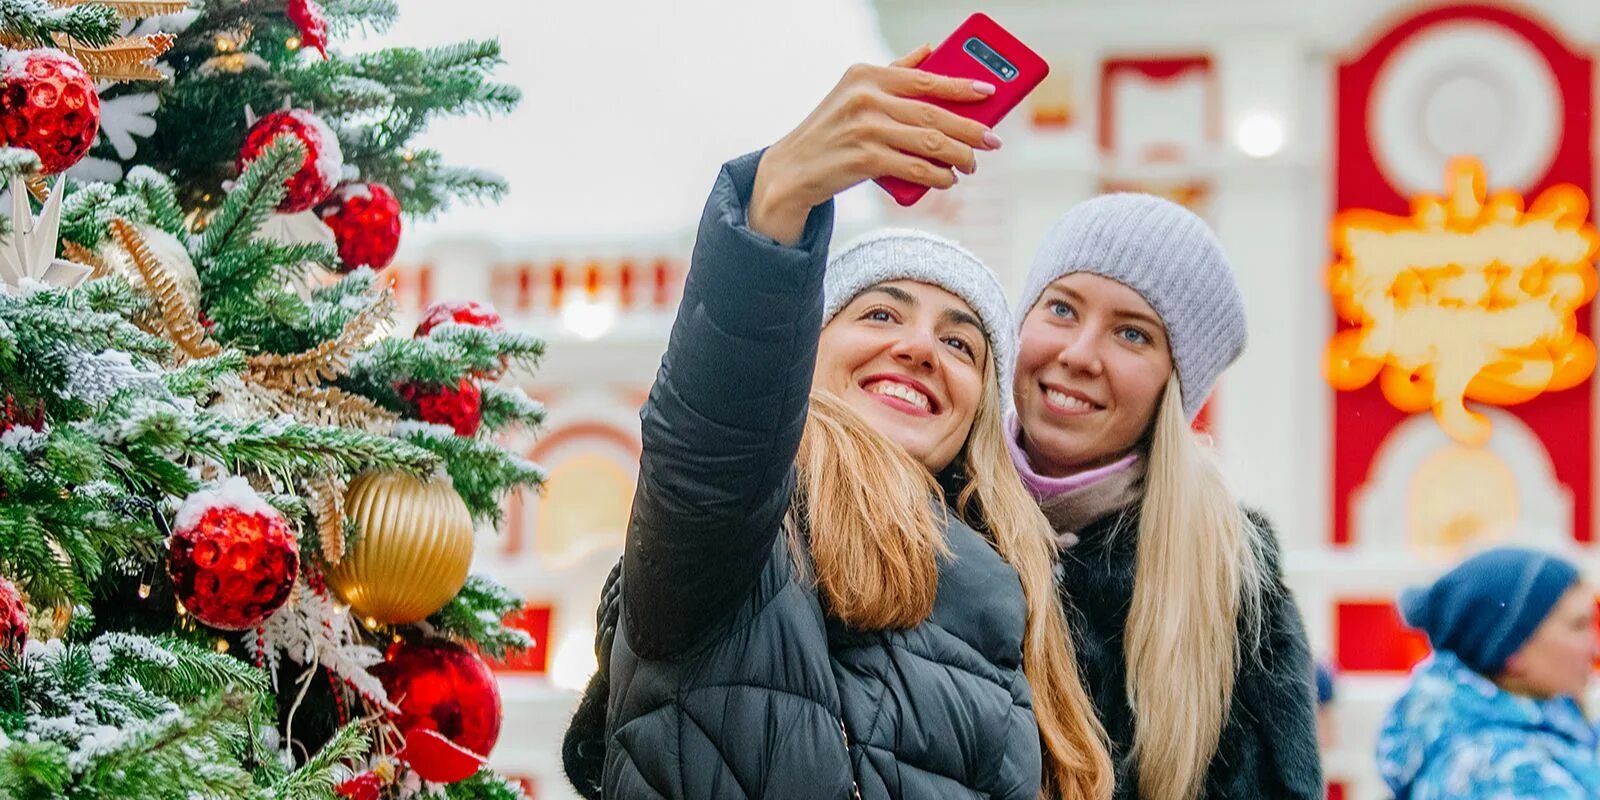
x: 875, y: 122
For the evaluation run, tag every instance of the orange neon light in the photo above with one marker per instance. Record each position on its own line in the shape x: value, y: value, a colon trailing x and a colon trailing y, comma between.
x: 1464, y: 299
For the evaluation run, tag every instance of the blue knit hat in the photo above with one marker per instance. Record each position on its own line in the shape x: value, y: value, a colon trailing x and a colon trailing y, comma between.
x: 1486, y: 608
x: 1172, y: 259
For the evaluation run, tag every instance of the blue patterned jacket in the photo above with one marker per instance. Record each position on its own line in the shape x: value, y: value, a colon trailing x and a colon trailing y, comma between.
x: 1455, y: 734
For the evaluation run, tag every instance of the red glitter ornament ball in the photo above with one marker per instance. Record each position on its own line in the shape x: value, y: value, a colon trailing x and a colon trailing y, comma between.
x: 460, y: 408
x: 365, y: 218
x: 232, y: 558
x: 13, y: 618
x: 320, y: 170
x: 442, y: 687
x: 464, y: 312
x: 48, y: 104
x: 365, y: 786
x: 308, y: 17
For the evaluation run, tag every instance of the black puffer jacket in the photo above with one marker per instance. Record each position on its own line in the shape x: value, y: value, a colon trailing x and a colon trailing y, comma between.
x: 1268, y: 747
x: 727, y: 677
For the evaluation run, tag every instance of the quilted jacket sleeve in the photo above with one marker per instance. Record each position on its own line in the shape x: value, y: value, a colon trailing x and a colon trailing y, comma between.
x: 723, y: 422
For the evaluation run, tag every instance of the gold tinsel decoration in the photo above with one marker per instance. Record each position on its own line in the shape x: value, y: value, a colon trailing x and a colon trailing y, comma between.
x: 127, y: 58
x: 131, y: 9
x: 326, y: 361
x: 327, y: 504
x: 313, y: 406
x: 83, y: 255
x: 414, y: 548
x: 178, y: 317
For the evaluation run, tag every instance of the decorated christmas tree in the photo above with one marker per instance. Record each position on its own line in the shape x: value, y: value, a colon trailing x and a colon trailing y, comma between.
x: 237, y: 510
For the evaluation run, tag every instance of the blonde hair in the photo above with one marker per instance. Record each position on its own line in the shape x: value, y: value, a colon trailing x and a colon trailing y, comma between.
x: 875, y: 536
x: 1196, y: 611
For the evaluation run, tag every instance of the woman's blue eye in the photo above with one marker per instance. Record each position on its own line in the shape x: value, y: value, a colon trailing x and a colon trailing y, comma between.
x: 1061, y: 309
x: 1135, y: 336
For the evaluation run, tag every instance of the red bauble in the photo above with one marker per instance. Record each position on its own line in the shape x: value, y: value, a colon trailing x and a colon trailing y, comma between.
x: 365, y: 218
x: 461, y: 407
x: 13, y: 618
x: 365, y: 786
x: 442, y: 688
x: 324, y: 161
x: 232, y: 558
x: 13, y: 414
x: 464, y: 312
x: 48, y: 104
x: 313, y: 24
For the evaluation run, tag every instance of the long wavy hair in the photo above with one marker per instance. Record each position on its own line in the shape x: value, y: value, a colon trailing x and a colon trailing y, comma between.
x: 874, y: 536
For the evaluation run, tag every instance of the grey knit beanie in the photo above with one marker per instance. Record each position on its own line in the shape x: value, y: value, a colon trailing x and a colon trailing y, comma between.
x: 1171, y: 258
x: 898, y: 254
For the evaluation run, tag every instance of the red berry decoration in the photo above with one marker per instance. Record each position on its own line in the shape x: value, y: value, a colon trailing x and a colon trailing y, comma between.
x: 13, y: 618
x: 449, y: 707
x: 365, y: 218
x: 48, y: 104
x: 365, y: 786
x: 232, y: 558
x: 464, y: 312
x: 324, y: 161
x: 313, y: 24
x: 460, y: 408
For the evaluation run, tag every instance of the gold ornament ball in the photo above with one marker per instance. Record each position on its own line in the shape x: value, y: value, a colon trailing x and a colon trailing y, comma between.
x: 414, y: 548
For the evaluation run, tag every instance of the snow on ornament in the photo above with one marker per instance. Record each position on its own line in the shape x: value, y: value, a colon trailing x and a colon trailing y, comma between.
x: 232, y: 558
x: 48, y: 104
x: 365, y: 218
x: 312, y: 23
x: 322, y: 166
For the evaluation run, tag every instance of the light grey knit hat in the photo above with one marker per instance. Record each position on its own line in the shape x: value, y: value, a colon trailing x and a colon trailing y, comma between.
x: 896, y: 254
x: 1172, y: 259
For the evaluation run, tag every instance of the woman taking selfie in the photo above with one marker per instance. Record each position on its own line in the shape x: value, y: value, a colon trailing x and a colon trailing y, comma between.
x: 1191, y: 646
x: 834, y: 584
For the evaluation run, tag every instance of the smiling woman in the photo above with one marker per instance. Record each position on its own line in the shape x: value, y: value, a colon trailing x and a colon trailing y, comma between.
x: 835, y: 585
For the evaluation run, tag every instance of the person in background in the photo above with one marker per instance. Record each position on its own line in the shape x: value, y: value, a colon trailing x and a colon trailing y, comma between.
x: 1191, y: 645
x: 1326, y: 693
x: 1494, y: 714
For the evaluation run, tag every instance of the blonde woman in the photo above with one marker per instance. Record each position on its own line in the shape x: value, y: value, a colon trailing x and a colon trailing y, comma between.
x: 1192, y: 649
x: 834, y: 584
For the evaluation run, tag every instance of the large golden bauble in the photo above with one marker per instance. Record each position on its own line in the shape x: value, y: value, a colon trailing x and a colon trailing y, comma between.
x: 414, y: 548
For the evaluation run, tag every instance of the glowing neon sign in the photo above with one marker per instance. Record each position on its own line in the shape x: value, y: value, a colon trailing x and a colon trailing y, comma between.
x: 1469, y: 297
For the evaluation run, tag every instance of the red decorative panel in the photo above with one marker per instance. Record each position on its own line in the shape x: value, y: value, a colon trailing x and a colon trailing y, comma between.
x: 1543, y: 137
x: 1369, y: 637
x: 536, y: 659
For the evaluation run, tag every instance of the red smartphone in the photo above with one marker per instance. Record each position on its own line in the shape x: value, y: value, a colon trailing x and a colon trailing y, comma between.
x: 981, y: 50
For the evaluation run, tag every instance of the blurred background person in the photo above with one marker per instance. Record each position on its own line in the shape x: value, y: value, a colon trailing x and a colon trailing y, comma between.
x: 1495, y: 713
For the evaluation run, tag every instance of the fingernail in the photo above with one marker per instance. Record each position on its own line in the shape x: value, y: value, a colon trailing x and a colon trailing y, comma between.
x: 991, y: 140
x: 983, y: 87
